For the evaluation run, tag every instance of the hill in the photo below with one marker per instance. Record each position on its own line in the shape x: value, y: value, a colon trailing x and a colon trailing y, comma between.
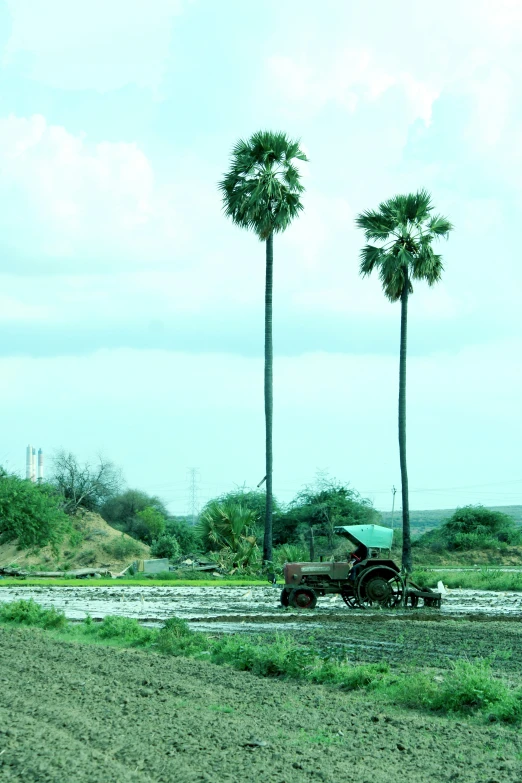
x: 422, y: 521
x: 92, y: 543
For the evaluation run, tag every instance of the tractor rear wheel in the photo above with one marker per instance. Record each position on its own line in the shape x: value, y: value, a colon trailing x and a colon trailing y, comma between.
x: 380, y: 586
x: 303, y: 598
x: 284, y: 598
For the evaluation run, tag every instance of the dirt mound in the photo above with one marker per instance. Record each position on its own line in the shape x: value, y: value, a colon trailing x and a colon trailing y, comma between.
x: 92, y: 543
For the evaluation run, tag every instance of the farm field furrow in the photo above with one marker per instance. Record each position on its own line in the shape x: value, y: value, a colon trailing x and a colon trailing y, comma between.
x: 80, y: 712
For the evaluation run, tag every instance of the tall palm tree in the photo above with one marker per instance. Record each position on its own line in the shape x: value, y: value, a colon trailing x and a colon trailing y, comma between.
x: 404, y: 228
x: 261, y: 192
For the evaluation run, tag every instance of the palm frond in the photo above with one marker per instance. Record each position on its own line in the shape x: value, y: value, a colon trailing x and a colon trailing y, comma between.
x: 262, y: 187
x: 371, y: 257
x: 440, y: 226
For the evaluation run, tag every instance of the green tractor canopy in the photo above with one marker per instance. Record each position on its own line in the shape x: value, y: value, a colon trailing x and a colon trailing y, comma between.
x: 371, y: 536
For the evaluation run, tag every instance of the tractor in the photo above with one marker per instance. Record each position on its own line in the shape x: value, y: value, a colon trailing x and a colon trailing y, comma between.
x: 375, y: 580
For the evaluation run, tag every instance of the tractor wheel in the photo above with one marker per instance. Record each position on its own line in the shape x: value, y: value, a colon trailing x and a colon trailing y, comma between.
x: 379, y: 586
x: 303, y: 598
x: 349, y: 597
x: 284, y: 598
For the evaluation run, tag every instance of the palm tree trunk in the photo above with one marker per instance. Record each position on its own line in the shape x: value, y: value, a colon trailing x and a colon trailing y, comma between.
x: 269, y: 402
x: 406, y: 538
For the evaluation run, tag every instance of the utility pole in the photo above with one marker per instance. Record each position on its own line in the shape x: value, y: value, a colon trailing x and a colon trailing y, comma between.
x: 393, y: 505
x: 193, y: 493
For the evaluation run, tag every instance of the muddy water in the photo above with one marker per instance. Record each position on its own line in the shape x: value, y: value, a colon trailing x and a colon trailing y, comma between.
x: 231, y: 608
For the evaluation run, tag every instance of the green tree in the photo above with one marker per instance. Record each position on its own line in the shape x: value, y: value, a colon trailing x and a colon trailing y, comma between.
x: 261, y: 192
x: 321, y: 507
x: 153, y: 524
x: 121, y: 511
x: 166, y: 546
x: 31, y: 513
x: 404, y: 228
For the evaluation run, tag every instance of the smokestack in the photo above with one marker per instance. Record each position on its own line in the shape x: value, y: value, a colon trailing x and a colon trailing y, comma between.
x: 40, y: 466
x: 33, y: 466
x: 28, y: 462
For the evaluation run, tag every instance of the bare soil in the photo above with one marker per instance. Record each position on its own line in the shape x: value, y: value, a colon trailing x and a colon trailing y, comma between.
x: 89, y: 713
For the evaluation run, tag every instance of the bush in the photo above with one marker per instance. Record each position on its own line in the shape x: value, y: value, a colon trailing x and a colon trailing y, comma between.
x: 125, y: 629
x: 473, y: 527
x: 31, y: 513
x: 279, y: 658
x: 185, y: 535
x: 176, y: 638
x: 123, y: 548
x: 31, y: 613
x: 166, y: 546
x: 290, y: 553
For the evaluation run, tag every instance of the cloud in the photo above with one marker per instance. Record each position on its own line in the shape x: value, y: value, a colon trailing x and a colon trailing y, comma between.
x: 91, y: 44
x: 82, y: 201
x: 347, y: 78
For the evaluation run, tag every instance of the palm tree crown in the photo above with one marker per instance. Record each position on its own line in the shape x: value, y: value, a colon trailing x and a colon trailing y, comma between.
x: 262, y: 189
x: 405, y: 228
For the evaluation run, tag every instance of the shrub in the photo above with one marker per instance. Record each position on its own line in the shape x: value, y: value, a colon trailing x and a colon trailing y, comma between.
x: 290, y: 553
x: 166, y: 546
x: 176, y: 638
x: 123, y: 548
x: 185, y: 535
x: 31, y: 613
x: 279, y: 658
x: 473, y: 527
x: 123, y: 628
x: 30, y: 513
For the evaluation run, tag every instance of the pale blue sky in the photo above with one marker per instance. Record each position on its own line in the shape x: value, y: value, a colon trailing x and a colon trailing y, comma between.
x: 131, y: 311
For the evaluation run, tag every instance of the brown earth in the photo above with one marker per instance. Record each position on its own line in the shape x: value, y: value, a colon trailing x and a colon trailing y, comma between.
x: 88, y: 713
x: 96, y: 540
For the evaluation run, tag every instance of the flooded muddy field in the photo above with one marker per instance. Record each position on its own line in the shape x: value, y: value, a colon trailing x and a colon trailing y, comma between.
x: 259, y: 604
x: 472, y: 624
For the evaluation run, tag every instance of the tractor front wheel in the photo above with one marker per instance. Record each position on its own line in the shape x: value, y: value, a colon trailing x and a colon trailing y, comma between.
x: 303, y: 598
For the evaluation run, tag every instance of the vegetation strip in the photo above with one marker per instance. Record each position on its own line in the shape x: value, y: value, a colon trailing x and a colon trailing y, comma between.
x: 481, y: 579
x: 466, y: 688
x: 484, y: 579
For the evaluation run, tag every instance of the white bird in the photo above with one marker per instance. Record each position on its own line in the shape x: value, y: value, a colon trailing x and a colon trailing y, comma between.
x: 440, y: 587
x: 248, y: 594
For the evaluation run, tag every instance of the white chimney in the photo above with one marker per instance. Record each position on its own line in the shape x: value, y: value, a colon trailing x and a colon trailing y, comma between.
x: 40, y: 466
x: 28, y: 462
x: 33, y: 465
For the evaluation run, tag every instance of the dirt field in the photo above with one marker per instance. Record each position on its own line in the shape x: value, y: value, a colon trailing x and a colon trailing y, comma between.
x: 88, y: 713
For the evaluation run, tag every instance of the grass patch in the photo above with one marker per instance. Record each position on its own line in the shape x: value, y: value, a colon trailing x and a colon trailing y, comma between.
x: 469, y: 687
x: 483, y: 579
x: 136, y: 581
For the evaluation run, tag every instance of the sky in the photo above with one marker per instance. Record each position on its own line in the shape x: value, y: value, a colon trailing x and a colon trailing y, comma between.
x: 131, y: 310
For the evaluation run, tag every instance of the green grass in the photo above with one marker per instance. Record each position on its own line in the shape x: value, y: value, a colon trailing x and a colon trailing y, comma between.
x: 32, y: 581
x: 483, y: 579
x: 467, y: 688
